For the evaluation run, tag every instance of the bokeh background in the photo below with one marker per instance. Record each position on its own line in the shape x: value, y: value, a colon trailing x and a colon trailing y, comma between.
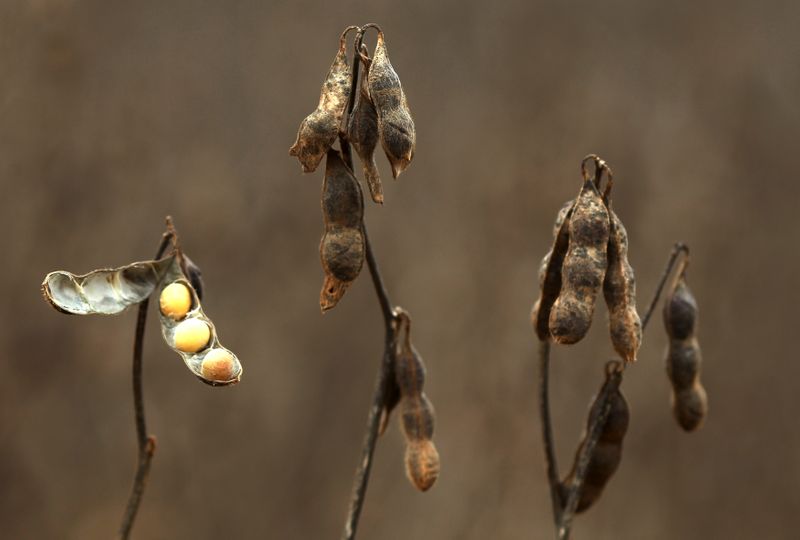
x: 115, y: 114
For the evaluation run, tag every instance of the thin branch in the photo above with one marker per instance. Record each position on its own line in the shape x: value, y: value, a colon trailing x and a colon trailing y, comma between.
x: 547, y: 428
x: 677, y: 249
x: 361, y: 478
x: 587, y: 451
x: 147, y: 443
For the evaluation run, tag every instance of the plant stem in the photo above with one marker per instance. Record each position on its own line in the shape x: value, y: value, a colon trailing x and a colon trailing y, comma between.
x: 361, y: 477
x: 147, y: 443
x: 547, y: 428
x: 677, y: 249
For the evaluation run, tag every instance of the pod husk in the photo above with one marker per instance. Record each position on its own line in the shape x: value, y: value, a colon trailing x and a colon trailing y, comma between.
x: 362, y: 132
x: 395, y: 124
x: 318, y: 131
x: 194, y: 361
x: 106, y: 291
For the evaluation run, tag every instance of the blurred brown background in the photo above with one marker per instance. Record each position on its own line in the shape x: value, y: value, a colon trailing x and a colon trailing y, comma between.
x: 114, y: 114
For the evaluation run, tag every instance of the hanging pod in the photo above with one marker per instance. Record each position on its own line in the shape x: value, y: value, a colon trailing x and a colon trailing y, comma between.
x: 550, y: 273
x: 684, y: 359
x: 342, y: 248
x: 619, y: 290
x: 608, y: 451
x: 584, y: 267
x: 319, y: 129
x: 362, y: 132
x: 421, y: 457
x: 395, y: 125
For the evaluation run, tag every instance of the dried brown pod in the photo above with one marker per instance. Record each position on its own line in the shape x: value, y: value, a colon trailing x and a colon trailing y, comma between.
x: 362, y: 132
x: 342, y: 246
x: 619, y: 289
x: 550, y: 273
x: 395, y: 124
x: 422, y: 464
x: 608, y: 451
x: 195, y: 276
x: 422, y: 459
x: 318, y: 131
x: 584, y: 267
x: 684, y: 359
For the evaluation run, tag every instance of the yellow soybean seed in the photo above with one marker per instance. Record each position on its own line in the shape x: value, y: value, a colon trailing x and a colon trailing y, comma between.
x: 175, y: 301
x: 192, y: 335
x: 217, y: 365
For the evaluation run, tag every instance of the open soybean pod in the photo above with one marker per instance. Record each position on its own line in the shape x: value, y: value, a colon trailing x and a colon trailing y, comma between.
x: 584, y: 267
x: 190, y: 333
x: 342, y: 246
x: 550, y: 273
x: 619, y: 289
x: 607, y: 454
x: 395, y: 125
x: 318, y: 131
x: 684, y: 359
x: 362, y: 132
x: 104, y: 291
x: 421, y: 457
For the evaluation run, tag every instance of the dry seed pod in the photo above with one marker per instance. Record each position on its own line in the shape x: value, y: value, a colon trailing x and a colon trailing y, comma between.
x: 191, y: 333
x: 342, y: 246
x: 391, y: 397
x: 362, y: 132
x: 318, y: 130
x: 422, y: 459
x: 583, y: 269
x: 608, y: 450
x: 550, y: 273
x: 619, y: 289
x: 395, y: 125
x: 689, y: 400
x: 194, y: 274
x: 104, y: 291
x: 422, y: 464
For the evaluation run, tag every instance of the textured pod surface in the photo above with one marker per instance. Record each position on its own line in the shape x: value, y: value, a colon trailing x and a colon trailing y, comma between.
x: 619, y: 289
x: 422, y: 464
x: 607, y: 452
x: 342, y: 248
x: 422, y: 459
x: 684, y: 359
x: 362, y: 132
x: 550, y: 273
x: 104, y: 291
x: 395, y: 125
x: 319, y: 129
x: 584, y: 267
x: 194, y: 336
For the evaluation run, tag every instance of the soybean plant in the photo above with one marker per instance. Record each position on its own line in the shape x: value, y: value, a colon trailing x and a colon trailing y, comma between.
x: 590, y: 253
x: 185, y: 327
x: 364, y: 111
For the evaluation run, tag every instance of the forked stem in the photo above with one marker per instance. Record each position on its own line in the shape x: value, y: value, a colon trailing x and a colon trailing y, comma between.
x: 564, y: 507
x: 147, y: 443
x: 361, y: 478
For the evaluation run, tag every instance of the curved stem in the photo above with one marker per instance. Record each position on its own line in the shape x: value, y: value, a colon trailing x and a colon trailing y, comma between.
x: 547, y: 428
x: 677, y: 249
x: 147, y: 443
